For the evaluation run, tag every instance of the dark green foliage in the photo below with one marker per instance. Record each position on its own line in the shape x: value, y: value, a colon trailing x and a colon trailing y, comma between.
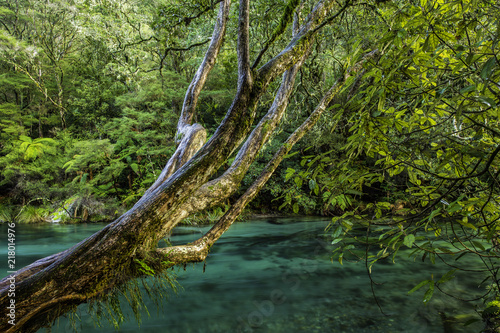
x: 423, y: 129
x: 406, y: 156
x: 89, y: 106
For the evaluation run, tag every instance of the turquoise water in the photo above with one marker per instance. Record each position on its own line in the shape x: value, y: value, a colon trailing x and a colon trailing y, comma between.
x: 274, y: 276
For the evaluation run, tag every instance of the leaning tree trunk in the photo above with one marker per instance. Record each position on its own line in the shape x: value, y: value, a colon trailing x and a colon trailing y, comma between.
x: 56, y: 284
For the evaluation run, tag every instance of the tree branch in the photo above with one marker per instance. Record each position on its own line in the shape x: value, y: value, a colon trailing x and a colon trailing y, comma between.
x: 198, y: 250
x: 217, y: 190
x: 244, y: 75
x: 229, y: 135
x: 105, y: 259
x: 187, y: 48
x: 298, y: 44
x: 190, y: 138
x: 280, y: 29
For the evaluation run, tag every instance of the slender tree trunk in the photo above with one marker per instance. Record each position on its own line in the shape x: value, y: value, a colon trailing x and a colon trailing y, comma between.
x: 40, y: 131
x: 60, y: 93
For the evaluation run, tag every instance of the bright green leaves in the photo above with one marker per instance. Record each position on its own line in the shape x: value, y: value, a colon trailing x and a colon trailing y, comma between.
x: 430, y: 289
x: 289, y: 173
x: 35, y: 160
x: 94, y: 162
x: 33, y: 149
x: 465, y: 222
x: 442, y: 87
x: 409, y: 240
x: 135, y: 167
x: 298, y: 181
x: 487, y: 70
x: 91, y: 154
x: 343, y: 225
x: 144, y: 268
x: 425, y: 124
x: 431, y: 285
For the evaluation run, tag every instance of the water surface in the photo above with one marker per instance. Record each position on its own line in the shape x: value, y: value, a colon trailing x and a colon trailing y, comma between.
x: 273, y: 276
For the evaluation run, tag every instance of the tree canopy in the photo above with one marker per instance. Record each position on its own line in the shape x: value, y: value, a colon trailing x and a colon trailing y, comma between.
x: 396, y: 101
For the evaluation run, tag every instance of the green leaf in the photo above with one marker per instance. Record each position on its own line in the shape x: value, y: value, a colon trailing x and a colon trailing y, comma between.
x: 454, y: 207
x: 434, y: 213
x: 488, y: 101
x: 445, y: 250
x: 418, y: 286
x: 135, y: 167
x: 471, y: 321
x: 370, y: 265
x: 487, y: 68
x: 468, y: 89
x: 448, y: 276
x: 295, y: 208
x: 337, y: 232
x: 289, y: 173
x: 291, y: 154
x: 381, y: 103
x: 25, y: 138
x: 478, y: 245
x: 465, y: 222
x: 68, y: 165
x: 346, y: 224
x: 312, y: 184
x: 428, y: 294
x: 298, y: 181
x: 354, y: 192
x: 461, y: 255
x: 409, y: 240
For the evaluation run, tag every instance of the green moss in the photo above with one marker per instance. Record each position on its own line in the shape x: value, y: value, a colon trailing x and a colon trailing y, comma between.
x: 285, y: 19
x: 144, y: 268
x: 153, y: 280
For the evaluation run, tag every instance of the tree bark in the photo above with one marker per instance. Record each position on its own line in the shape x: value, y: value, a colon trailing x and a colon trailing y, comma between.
x: 53, y: 285
x: 198, y: 250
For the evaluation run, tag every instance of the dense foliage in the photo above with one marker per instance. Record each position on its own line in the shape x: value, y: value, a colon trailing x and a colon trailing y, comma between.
x: 422, y: 132
x: 91, y: 92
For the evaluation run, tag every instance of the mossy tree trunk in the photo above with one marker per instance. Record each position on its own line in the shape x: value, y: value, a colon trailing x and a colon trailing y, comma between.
x: 53, y: 285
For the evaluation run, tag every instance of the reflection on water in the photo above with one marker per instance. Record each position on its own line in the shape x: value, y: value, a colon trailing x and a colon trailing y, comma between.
x: 274, y: 276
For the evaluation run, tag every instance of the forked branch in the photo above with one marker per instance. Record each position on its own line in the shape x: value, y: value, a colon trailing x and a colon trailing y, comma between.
x: 198, y: 250
x: 191, y: 137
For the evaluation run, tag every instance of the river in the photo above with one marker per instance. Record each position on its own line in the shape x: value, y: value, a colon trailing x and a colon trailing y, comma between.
x: 272, y: 275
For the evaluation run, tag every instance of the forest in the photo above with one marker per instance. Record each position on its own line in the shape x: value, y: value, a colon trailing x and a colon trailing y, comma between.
x: 381, y: 115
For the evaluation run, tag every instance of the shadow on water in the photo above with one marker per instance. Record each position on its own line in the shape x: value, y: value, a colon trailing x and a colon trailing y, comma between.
x: 274, y: 276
